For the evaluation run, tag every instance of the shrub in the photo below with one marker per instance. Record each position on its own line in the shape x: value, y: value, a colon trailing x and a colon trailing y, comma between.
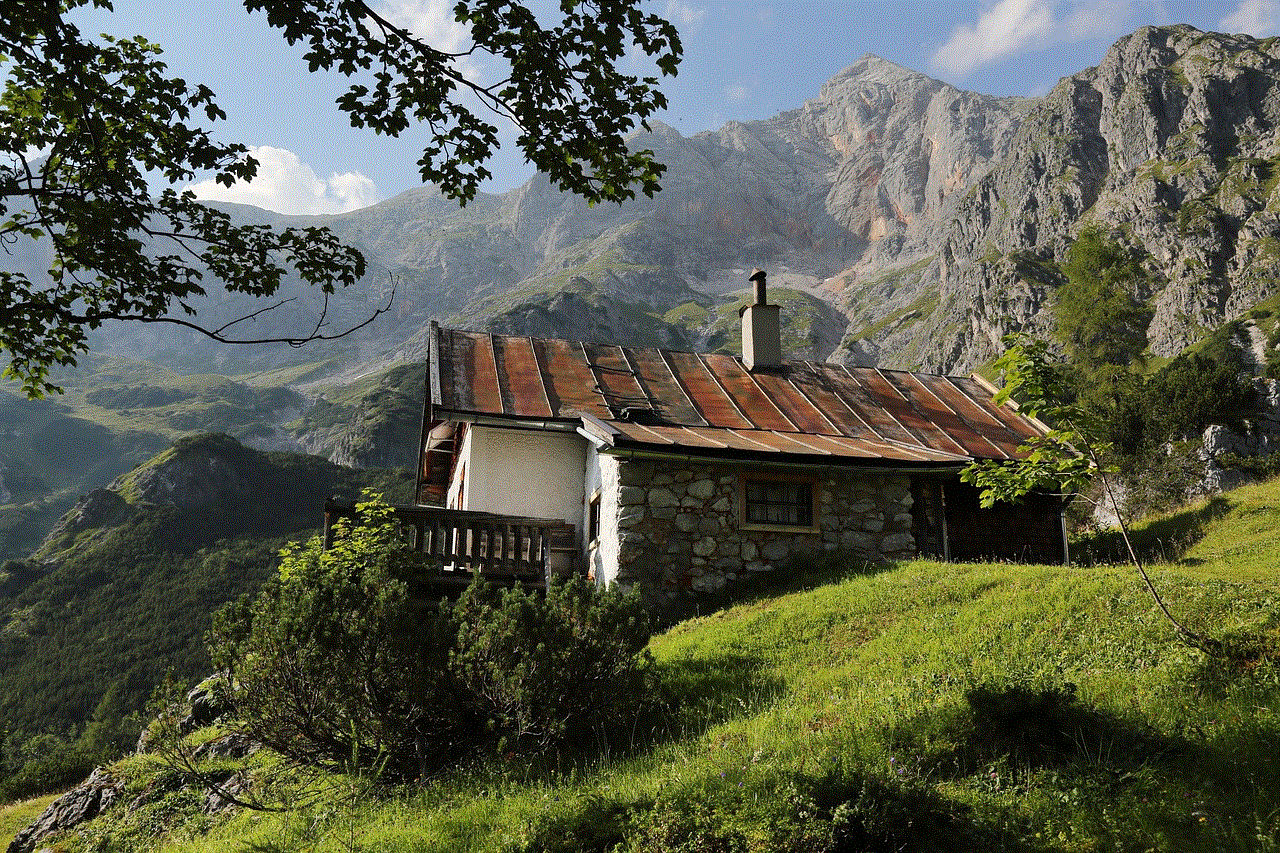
x: 327, y: 664
x: 1198, y: 389
x: 337, y: 662
x: 541, y: 669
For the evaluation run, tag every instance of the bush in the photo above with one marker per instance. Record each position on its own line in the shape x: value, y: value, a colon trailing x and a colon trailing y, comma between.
x: 1198, y: 389
x: 337, y: 663
x: 543, y: 669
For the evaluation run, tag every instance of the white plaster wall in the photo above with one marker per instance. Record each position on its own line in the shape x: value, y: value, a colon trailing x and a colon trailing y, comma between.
x: 602, y: 474
x: 454, y: 497
x: 524, y: 472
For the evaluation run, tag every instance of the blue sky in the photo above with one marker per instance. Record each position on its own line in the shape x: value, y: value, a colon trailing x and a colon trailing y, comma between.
x: 744, y: 60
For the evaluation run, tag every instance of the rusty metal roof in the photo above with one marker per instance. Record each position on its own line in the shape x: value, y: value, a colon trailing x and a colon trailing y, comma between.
x: 710, y: 404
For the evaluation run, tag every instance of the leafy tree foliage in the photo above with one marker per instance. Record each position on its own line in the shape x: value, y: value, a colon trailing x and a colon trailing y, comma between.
x: 340, y: 659
x: 1099, y: 318
x: 87, y: 126
x: 1137, y: 418
x: 1197, y: 389
x: 1051, y: 463
x: 570, y: 104
x: 1065, y: 458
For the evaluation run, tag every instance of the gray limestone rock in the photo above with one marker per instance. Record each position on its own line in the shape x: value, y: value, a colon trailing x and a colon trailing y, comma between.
x: 79, y: 805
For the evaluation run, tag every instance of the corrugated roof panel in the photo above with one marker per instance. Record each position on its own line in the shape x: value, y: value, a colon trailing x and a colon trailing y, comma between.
x: 474, y: 376
x: 713, y: 436
x: 614, y: 377
x: 568, y: 379
x: 764, y: 442
x: 813, y: 383
x: 794, y: 404
x: 892, y: 452
x: 894, y: 401
x: 668, y: 398
x: 778, y: 442
x: 980, y: 412
x: 711, y: 400
x: 694, y: 438
x: 524, y: 393
x: 1019, y: 427
x: 868, y: 408
x: 752, y: 401
x: 664, y: 435
x: 925, y: 400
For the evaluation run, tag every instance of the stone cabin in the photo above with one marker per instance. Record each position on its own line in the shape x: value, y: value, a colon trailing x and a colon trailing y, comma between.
x: 685, y: 471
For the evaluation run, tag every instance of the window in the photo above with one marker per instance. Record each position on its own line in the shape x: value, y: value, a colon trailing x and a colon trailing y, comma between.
x: 593, y: 520
x: 777, y: 502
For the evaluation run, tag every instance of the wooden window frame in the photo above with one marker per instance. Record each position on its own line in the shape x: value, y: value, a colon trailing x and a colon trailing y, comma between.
x: 768, y: 477
x: 593, y: 520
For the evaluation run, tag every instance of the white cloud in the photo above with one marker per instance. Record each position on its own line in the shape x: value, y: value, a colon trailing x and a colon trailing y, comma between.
x: 434, y: 22
x: 1259, y: 18
x: 431, y: 20
x: 287, y: 185
x: 737, y: 93
x: 1015, y: 26
x: 684, y: 15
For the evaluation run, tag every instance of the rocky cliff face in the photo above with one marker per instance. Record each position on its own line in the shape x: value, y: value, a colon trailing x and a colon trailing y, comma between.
x: 923, y: 221
x: 1170, y: 145
x: 930, y: 218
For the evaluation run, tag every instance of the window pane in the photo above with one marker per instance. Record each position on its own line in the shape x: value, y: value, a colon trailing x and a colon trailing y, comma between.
x: 782, y: 503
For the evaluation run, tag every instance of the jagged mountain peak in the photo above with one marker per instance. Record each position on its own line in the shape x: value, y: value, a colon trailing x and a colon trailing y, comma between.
x: 888, y: 191
x: 870, y: 68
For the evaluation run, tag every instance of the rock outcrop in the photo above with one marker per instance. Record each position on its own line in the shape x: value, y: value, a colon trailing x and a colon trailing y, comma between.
x: 79, y: 805
x: 1170, y: 145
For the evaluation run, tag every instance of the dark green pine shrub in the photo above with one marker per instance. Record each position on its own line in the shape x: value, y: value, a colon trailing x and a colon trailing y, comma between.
x: 337, y: 662
x: 545, y: 669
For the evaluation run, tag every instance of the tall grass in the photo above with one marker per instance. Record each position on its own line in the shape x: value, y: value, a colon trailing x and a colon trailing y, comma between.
x: 958, y: 706
x: 925, y: 706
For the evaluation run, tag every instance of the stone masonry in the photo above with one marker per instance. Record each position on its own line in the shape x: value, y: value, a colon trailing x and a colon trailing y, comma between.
x: 678, y: 525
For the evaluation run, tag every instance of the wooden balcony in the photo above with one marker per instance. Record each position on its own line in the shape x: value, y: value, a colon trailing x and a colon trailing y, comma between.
x: 457, y: 544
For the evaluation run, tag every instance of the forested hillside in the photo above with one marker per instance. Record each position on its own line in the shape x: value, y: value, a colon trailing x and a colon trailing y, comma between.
x: 122, y: 590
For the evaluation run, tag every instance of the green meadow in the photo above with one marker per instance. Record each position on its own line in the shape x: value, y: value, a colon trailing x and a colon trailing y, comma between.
x: 921, y: 706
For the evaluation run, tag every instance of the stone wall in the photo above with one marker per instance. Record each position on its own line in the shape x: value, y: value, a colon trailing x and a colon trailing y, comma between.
x: 677, y: 525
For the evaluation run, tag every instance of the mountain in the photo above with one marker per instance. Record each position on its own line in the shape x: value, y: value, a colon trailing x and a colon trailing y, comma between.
x: 921, y: 221
x: 1169, y: 143
x: 904, y: 223
x: 123, y: 586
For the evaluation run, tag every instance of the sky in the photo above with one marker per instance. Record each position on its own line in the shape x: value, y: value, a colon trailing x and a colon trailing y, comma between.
x: 743, y: 60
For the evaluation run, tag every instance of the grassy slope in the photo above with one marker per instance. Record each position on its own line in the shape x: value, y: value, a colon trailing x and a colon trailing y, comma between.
x: 14, y: 817
x: 933, y: 701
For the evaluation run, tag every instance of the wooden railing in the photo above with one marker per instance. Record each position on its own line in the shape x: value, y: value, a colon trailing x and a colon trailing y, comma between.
x: 459, y: 543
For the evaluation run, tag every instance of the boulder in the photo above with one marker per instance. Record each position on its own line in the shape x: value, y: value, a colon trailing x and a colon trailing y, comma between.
x: 79, y: 805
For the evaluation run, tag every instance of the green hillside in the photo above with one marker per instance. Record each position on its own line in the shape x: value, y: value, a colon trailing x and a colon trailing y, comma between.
x: 122, y: 591
x: 923, y: 706
x: 115, y: 414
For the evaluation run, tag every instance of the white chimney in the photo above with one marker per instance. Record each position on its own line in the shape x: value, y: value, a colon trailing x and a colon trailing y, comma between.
x: 761, y: 330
